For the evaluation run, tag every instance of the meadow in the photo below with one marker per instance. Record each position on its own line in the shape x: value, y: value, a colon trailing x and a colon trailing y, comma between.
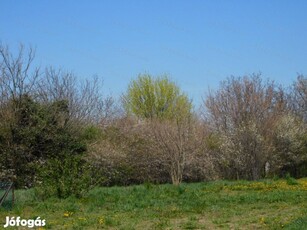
x: 265, y: 204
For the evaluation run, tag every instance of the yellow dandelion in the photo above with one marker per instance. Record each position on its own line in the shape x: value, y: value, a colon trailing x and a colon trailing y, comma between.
x: 67, y: 214
x: 101, y: 220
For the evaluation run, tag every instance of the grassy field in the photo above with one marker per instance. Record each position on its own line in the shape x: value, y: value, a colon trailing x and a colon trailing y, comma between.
x: 264, y: 204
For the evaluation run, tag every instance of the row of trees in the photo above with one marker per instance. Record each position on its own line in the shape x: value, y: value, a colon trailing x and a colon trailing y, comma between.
x: 52, y: 124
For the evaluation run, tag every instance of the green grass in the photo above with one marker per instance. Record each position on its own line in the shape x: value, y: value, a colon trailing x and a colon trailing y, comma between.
x: 264, y: 204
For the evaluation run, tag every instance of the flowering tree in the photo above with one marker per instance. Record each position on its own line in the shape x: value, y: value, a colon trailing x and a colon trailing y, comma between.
x: 242, y: 113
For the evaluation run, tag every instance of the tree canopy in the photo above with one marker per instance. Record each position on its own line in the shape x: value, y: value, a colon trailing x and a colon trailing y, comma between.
x: 161, y: 98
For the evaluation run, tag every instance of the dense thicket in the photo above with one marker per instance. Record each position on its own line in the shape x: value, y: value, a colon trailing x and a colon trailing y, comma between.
x: 42, y: 118
x: 254, y: 129
x: 63, y: 136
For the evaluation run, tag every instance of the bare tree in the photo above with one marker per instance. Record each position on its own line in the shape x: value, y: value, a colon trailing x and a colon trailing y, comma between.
x: 85, y: 99
x: 177, y: 143
x: 298, y: 97
x: 17, y: 76
x: 242, y: 114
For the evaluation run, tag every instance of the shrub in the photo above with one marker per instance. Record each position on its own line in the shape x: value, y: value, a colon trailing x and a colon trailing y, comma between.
x: 64, y: 177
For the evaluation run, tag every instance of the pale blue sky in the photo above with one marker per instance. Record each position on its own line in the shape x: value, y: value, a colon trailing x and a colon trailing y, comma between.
x: 197, y: 43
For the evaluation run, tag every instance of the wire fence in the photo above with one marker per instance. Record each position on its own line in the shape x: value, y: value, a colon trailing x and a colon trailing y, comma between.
x: 6, y: 195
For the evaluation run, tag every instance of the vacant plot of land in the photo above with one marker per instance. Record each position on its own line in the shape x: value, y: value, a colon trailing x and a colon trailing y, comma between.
x: 216, y: 205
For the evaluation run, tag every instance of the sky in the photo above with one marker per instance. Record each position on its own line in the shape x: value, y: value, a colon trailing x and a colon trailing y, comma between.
x: 196, y: 43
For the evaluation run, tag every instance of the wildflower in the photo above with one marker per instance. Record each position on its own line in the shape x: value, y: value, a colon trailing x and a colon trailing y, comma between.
x: 101, y: 220
x: 67, y: 214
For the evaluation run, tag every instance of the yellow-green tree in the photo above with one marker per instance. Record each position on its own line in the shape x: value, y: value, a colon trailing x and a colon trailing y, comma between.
x: 156, y: 98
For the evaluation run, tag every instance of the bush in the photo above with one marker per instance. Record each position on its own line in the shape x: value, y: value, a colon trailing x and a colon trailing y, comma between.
x: 64, y: 177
